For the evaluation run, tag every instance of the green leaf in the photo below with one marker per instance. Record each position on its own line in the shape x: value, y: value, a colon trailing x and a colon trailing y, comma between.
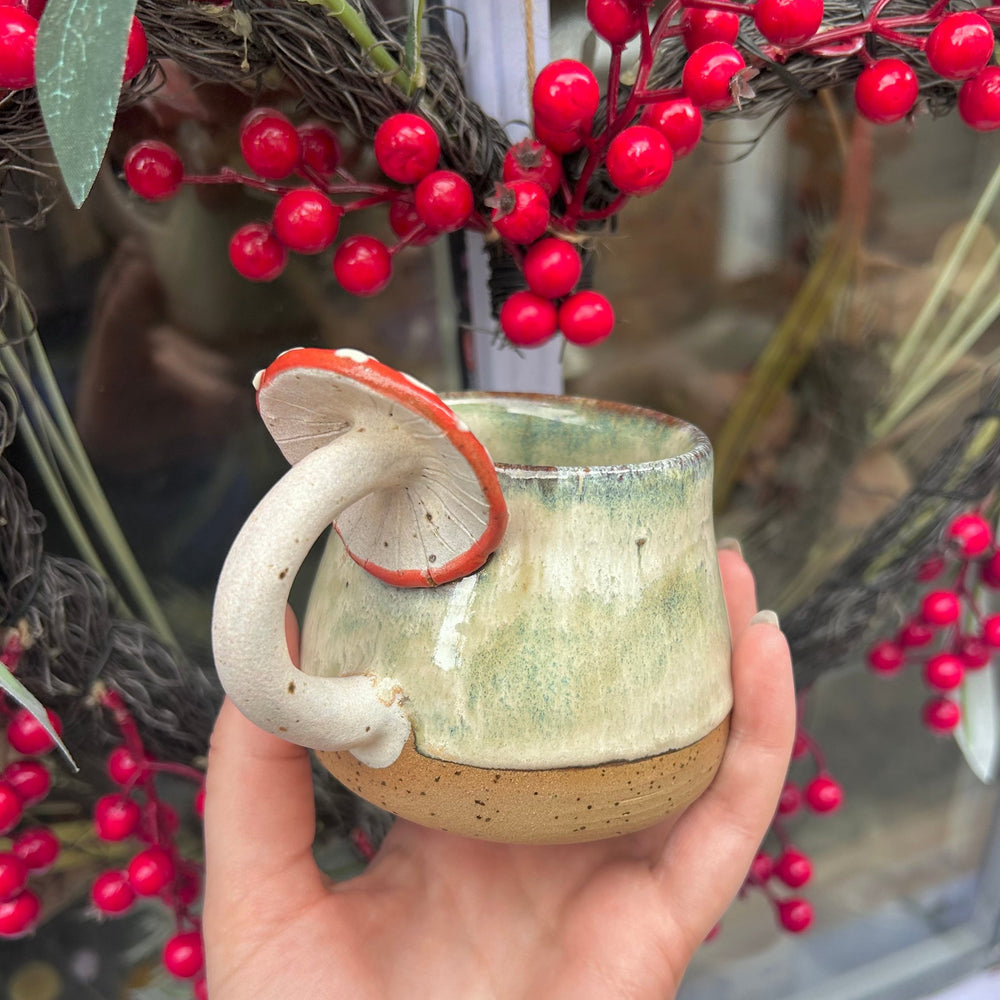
x: 978, y: 734
x: 16, y: 690
x: 79, y: 59
x: 411, y: 53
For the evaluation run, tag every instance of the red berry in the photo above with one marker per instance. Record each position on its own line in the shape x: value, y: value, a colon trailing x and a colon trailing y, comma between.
x: 639, y: 160
x: 885, y: 658
x: 188, y: 887
x: 708, y: 75
x: 123, y: 768
x: 13, y: 876
x: 823, y: 794
x: 404, y: 220
x: 269, y: 143
x: 973, y: 652
x: 10, y: 654
x: 960, y: 45
x: 150, y: 871
x: 678, y: 121
x: 940, y: 607
x: 184, y: 955
x: 136, y: 52
x: 558, y: 140
x: 991, y: 630
x: 944, y: 671
x: 199, y: 989
x: 27, y: 735
x: 970, y: 533
x: 306, y: 221
x: 527, y: 320
x: 18, y: 916
x: 930, y: 569
x: 30, y: 779
x: 552, y: 268
x: 979, y: 100
x: 18, y: 34
x: 199, y: 802
x: 586, y: 318
x: 941, y: 715
x: 444, y: 201
x: 319, y: 148
x: 886, y: 91
x: 256, y: 253
x: 795, y: 915
x: 566, y: 96
x: 116, y: 817
x: 38, y: 847
x: 915, y: 634
x: 761, y: 868
x: 800, y: 746
x: 363, y: 265
x: 529, y: 160
x: 701, y: 26
x: 111, y: 892
x: 790, y: 800
x: 788, y: 22
x: 11, y: 807
x: 406, y: 148
x: 616, y: 21
x: 167, y: 819
x: 153, y: 170
x: 521, y: 211
x: 990, y: 572
x: 793, y: 868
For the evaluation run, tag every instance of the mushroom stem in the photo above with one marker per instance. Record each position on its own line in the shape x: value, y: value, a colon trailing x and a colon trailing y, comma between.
x: 248, y: 631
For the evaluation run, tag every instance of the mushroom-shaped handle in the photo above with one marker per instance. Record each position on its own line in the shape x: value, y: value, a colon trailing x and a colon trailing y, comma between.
x: 413, y: 495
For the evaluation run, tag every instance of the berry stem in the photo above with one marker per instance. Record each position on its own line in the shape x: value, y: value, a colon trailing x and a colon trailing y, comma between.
x: 181, y: 770
x: 742, y: 9
x: 614, y: 82
x: 229, y: 176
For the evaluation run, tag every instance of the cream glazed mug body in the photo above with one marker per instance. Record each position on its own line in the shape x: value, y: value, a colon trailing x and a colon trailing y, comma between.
x: 578, y: 685
x: 517, y: 630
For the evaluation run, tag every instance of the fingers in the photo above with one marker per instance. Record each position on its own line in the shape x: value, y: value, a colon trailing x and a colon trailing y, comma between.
x: 706, y: 858
x: 738, y: 586
x: 259, y: 817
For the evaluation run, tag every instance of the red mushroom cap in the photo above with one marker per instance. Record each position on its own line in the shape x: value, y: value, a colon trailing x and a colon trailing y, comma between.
x: 437, y: 526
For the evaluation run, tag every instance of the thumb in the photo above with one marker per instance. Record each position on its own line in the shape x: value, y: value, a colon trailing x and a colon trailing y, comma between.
x: 260, y: 816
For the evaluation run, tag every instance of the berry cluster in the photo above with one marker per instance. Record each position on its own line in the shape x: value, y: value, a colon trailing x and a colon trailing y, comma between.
x: 939, y: 635
x: 302, y: 166
x: 135, y: 811
x: 24, y: 782
x: 788, y: 865
x: 539, y: 210
x: 19, y: 33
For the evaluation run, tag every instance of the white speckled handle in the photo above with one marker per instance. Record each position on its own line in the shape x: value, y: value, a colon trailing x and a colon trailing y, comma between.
x: 248, y: 623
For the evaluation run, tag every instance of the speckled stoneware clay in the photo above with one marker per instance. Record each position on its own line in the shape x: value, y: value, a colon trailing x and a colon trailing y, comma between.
x: 576, y: 686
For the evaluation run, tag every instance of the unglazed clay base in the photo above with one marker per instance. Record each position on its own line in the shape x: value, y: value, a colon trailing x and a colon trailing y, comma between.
x: 557, y: 806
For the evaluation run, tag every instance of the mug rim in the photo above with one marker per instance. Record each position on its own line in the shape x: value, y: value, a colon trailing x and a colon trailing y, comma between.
x: 699, y: 452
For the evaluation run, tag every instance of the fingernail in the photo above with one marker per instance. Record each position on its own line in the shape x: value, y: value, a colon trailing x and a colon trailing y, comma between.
x: 730, y: 545
x: 765, y: 618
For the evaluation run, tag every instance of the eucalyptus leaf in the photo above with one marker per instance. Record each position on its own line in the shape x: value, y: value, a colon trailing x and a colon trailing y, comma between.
x: 79, y: 60
x: 16, y: 690
x: 978, y: 734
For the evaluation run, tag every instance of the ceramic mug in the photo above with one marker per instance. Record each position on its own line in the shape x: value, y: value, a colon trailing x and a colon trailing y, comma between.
x: 576, y: 686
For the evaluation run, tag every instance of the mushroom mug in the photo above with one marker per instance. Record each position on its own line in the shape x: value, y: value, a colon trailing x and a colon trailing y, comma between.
x: 517, y: 630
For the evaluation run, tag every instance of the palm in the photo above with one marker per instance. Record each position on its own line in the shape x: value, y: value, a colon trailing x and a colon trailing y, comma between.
x: 438, y: 915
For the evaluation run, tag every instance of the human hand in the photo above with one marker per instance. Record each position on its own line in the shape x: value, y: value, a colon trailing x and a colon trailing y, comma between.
x: 436, y: 915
